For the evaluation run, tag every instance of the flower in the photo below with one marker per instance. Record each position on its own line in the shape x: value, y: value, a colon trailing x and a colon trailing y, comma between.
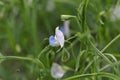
x: 57, y: 71
x: 65, y: 28
x: 58, y: 39
x: 18, y: 48
x: 115, y: 13
x: 50, y: 6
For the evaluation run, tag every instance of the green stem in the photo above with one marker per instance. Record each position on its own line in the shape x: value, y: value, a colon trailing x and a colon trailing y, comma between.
x: 78, y: 23
x: 37, y: 61
x: 100, y: 53
x: 44, y: 50
x: 16, y: 57
x: 76, y: 35
x: 108, y: 75
x: 106, y: 66
x: 111, y: 42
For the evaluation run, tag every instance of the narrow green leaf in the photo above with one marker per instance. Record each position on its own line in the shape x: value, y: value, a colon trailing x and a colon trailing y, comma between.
x: 101, y: 74
x: 100, y: 53
x: 78, y: 60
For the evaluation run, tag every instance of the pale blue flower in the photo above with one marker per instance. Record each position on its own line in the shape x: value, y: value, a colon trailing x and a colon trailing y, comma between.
x: 50, y: 5
x: 115, y: 13
x: 58, y: 39
x: 57, y: 71
x: 65, y: 28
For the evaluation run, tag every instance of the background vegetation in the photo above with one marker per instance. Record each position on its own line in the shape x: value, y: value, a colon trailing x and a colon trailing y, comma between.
x: 92, y: 51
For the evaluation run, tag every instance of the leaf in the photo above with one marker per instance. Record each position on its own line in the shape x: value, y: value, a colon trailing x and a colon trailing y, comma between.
x: 100, y: 53
x: 101, y: 74
x: 78, y: 60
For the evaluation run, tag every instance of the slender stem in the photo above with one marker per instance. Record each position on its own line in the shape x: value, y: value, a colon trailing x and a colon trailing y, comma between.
x: 16, y: 57
x: 45, y: 49
x: 106, y: 66
x: 100, y: 53
x: 37, y: 61
x: 78, y: 22
x: 76, y: 35
x: 108, y: 75
x: 111, y: 42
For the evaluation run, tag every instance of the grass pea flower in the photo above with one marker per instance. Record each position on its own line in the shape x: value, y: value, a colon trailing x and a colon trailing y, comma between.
x: 57, y: 71
x: 58, y: 39
x: 115, y: 13
x: 50, y: 6
x: 65, y: 28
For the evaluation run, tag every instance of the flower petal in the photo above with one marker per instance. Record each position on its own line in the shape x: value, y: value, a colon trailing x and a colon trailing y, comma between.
x: 66, y: 27
x: 115, y: 13
x: 61, y: 28
x: 57, y: 71
x: 59, y: 37
x: 52, y: 41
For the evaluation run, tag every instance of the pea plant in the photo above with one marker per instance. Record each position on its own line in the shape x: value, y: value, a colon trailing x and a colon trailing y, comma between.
x: 85, y: 47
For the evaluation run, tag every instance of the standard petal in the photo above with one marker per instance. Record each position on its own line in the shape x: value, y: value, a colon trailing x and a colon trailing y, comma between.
x: 57, y: 71
x: 59, y: 37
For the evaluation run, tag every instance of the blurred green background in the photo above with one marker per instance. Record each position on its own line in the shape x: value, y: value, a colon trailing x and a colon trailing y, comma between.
x: 25, y: 24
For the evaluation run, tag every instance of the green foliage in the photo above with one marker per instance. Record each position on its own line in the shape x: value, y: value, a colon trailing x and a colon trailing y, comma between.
x: 90, y: 53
